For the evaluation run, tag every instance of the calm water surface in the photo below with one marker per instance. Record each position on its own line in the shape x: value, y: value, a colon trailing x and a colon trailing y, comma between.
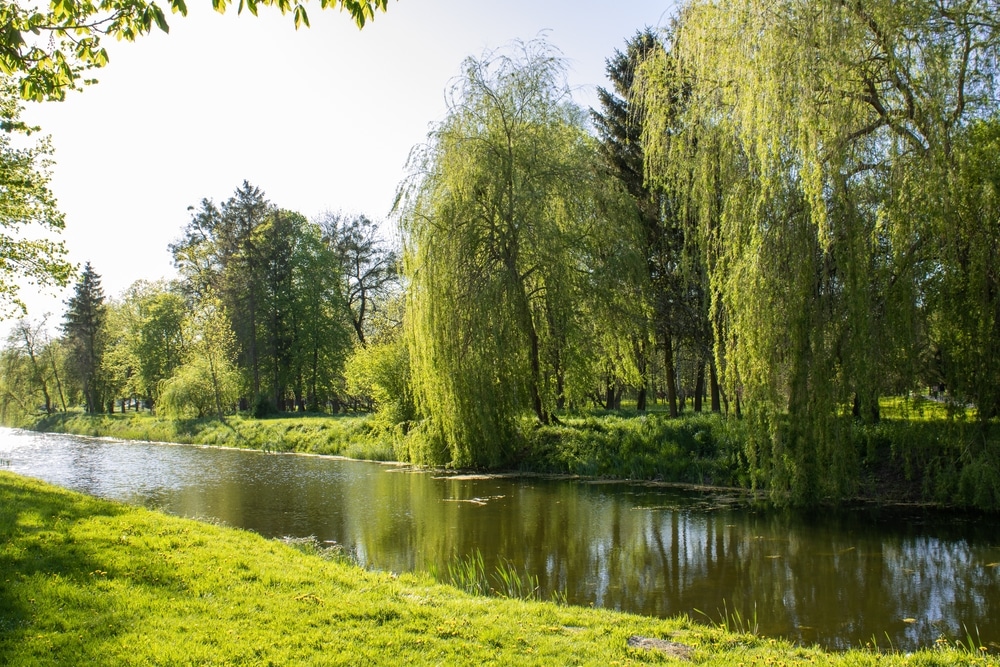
x: 837, y: 579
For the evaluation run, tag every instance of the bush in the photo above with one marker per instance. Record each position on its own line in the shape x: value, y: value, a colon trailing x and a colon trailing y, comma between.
x: 191, y: 392
x: 382, y: 372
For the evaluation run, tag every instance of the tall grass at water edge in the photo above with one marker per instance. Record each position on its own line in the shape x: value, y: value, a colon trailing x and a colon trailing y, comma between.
x: 469, y: 573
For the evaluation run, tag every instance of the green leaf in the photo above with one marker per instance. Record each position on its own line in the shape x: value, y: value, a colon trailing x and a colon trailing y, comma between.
x: 301, y: 18
x: 161, y: 22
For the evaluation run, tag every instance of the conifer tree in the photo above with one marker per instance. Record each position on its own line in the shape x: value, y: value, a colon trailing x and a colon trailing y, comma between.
x: 83, y: 328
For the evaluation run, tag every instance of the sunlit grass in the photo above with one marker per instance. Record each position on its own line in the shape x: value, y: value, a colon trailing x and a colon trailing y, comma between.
x: 694, y: 449
x: 923, y: 409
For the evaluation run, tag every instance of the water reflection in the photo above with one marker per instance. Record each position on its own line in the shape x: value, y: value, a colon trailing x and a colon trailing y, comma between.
x: 837, y: 580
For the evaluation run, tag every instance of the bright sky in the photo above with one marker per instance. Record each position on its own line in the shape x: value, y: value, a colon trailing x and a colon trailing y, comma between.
x: 320, y: 119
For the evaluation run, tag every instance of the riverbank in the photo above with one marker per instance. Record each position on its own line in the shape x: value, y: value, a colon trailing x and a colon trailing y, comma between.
x: 86, y: 581
x: 917, y: 454
x: 341, y: 435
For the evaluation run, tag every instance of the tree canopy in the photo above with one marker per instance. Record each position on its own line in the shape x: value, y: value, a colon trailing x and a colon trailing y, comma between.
x: 29, y: 217
x: 505, y: 206
x: 46, y: 49
x: 819, y: 147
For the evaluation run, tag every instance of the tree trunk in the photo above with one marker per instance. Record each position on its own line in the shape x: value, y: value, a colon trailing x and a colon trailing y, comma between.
x: 713, y: 377
x: 668, y: 357
x: 640, y: 399
x: 313, y: 380
x: 528, y: 322
x: 55, y: 374
x: 699, y: 386
x: 560, y: 389
x: 597, y: 400
x: 216, y: 390
x: 867, y: 411
x: 536, y: 369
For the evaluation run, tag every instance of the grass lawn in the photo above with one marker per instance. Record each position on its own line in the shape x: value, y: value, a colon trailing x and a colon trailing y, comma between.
x: 90, y: 582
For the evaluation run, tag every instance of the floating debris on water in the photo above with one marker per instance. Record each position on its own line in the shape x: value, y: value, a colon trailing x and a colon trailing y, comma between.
x: 474, y: 501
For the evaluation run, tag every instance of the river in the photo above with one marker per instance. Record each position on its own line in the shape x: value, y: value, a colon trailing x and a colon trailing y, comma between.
x: 840, y: 579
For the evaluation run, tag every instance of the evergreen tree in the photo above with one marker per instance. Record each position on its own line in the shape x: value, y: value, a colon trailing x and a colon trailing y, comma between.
x: 675, y: 311
x: 83, y: 329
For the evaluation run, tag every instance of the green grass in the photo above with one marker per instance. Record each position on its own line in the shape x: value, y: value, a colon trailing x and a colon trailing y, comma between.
x: 695, y: 449
x: 88, y: 582
x: 922, y: 409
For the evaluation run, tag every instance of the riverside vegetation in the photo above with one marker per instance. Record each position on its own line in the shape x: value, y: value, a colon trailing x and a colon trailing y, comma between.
x: 915, y: 454
x: 87, y: 581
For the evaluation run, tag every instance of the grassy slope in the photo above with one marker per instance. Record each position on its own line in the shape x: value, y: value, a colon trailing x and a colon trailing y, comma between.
x: 86, y: 581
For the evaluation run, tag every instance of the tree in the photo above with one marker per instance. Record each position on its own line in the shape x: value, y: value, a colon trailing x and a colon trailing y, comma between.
x: 321, y: 335
x: 207, y: 382
x: 30, y: 370
x: 46, y: 49
x: 220, y: 255
x: 119, y: 362
x: 964, y: 292
x: 499, y: 204
x: 674, y: 296
x: 83, y: 328
x: 815, y: 149
x: 281, y: 286
x: 146, y: 340
x: 26, y: 204
x: 303, y: 329
x: 368, y: 265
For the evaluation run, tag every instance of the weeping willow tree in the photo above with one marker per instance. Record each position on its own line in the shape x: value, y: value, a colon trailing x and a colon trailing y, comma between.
x: 498, y: 218
x: 814, y: 146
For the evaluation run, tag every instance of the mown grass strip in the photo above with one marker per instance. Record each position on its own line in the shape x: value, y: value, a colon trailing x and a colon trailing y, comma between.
x: 87, y: 582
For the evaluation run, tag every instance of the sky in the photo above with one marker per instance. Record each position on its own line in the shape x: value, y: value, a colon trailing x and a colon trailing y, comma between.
x: 320, y: 119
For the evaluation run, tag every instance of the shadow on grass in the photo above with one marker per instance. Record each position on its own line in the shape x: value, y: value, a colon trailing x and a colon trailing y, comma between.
x: 37, y: 547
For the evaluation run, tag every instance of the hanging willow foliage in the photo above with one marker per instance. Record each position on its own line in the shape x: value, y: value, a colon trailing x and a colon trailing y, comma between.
x: 814, y: 143
x: 497, y: 216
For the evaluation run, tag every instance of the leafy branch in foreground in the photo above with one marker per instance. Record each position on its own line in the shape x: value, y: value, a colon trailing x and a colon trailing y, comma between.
x: 46, y: 49
x: 26, y: 205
